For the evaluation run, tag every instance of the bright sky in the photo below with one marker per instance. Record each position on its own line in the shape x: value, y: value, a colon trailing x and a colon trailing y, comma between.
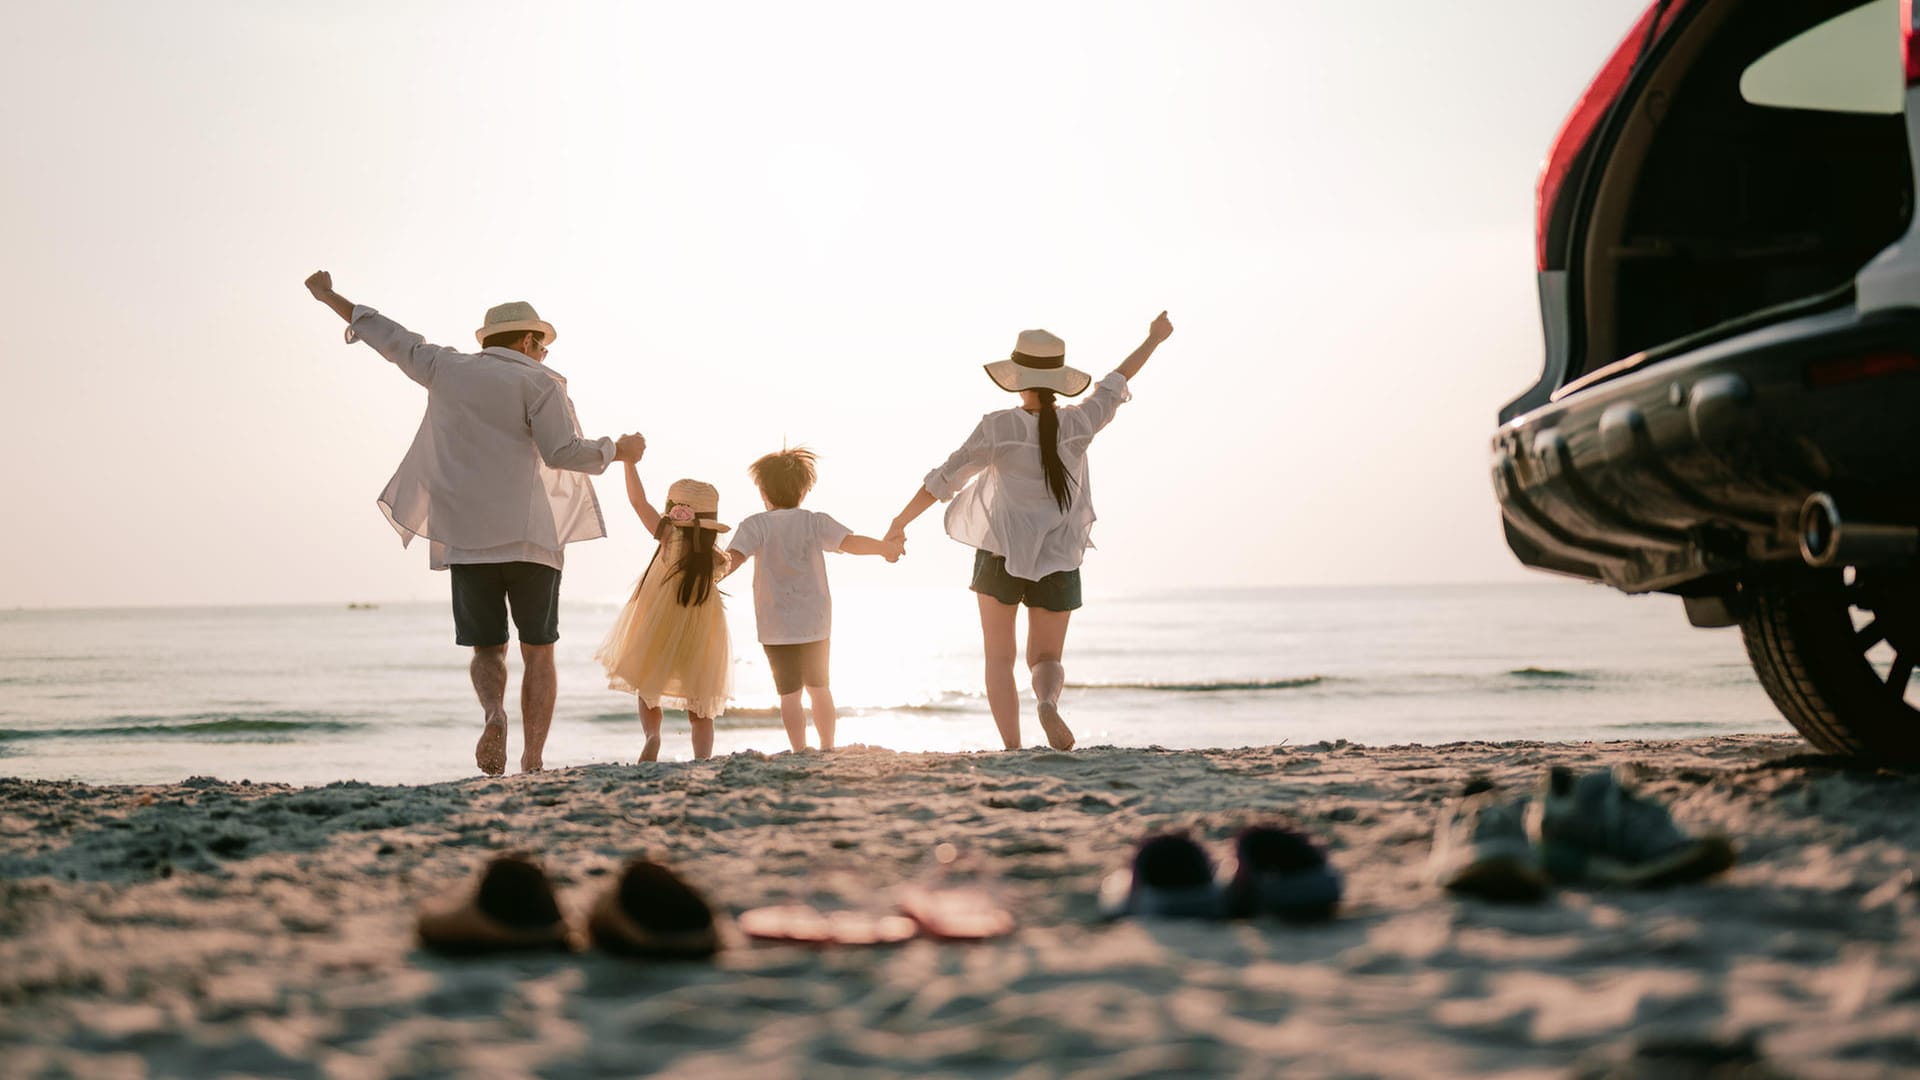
x: 757, y: 222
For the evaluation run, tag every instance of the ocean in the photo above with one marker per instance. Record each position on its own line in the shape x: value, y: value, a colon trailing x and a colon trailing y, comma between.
x: 311, y: 695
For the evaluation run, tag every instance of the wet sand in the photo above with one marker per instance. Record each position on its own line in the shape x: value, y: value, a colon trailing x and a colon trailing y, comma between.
x: 211, y: 927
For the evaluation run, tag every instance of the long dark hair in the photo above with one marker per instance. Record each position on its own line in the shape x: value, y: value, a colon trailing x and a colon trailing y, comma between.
x: 696, y: 559
x: 1058, y: 482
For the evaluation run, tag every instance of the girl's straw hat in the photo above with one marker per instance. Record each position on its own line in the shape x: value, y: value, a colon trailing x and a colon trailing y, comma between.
x: 692, y: 504
x: 518, y: 315
x: 1039, y: 362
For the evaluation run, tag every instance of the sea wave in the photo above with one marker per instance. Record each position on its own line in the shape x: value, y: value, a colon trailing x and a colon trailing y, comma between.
x: 1207, y: 687
x: 268, y: 727
x: 1545, y: 674
x: 755, y: 716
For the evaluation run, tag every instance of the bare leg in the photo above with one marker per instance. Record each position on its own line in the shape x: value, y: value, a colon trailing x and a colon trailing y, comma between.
x: 539, y: 685
x: 650, y: 724
x: 795, y: 719
x: 702, y: 736
x: 489, y: 673
x: 823, y: 715
x: 1046, y: 641
x: 996, y: 636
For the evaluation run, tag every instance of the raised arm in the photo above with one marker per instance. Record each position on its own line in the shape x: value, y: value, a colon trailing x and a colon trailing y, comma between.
x: 855, y: 544
x: 637, y: 495
x: 1160, y: 331
x: 320, y: 284
x: 403, y: 348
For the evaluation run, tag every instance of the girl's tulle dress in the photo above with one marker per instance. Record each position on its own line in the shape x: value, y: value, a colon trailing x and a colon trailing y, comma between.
x: 670, y: 655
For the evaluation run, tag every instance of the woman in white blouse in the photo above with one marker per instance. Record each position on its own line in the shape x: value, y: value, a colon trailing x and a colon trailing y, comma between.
x: 1028, y: 514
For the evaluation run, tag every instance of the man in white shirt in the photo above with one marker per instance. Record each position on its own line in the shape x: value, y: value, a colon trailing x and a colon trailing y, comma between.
x: 493, y: 481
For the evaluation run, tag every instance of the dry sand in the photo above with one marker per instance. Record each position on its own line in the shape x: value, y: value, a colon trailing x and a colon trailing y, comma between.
x: 207, y: 927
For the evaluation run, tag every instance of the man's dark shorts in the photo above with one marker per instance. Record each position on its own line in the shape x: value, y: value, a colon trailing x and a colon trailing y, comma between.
x: 795, y: 666
x: 482, y: 591
x: 1058, y: 591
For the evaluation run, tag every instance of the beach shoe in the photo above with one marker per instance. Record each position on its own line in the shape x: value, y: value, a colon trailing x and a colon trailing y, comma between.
x: 510, y: 907
x: 956, y: 914
x: 1059, y: 735
x: 806, y: 925
x: 1594, y: 830
x: 1279, y: 872
x: 648, y: 911
x: 1481, y: 848
x: 1170, y: 877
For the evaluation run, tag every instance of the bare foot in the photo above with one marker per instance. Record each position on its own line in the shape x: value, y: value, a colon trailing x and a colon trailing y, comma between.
x: 531, y: 764
x: 651, y: 751
x: 490, y: 753
x: 1059, y: 736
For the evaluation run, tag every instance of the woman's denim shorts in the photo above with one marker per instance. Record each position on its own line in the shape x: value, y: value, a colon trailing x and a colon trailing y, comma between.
x: 1058, y: 591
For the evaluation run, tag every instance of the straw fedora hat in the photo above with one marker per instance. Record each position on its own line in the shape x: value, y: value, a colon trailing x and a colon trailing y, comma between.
x: 693, y: 504
x: 508, y: 318
x: 1039, y: 362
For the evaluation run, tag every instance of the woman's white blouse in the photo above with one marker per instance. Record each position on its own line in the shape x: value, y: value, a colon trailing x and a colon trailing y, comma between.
x: 1008, y: 510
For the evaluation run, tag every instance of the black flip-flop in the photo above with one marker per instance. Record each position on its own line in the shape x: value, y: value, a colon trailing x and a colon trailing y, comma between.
x: 1282, y: 873
x: 1170, y: 877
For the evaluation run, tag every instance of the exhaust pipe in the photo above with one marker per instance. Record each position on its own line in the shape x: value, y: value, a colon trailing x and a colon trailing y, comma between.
x: 1827, y: 540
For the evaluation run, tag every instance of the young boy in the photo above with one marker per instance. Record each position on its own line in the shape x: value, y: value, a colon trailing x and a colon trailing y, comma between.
x: 791, y: 605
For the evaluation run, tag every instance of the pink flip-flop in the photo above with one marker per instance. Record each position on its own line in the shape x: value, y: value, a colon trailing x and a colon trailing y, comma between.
x: 956, y: 914
x: 800, y: 924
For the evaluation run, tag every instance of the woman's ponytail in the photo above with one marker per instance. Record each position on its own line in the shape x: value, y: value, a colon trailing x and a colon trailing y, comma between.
x: 1058, y: 482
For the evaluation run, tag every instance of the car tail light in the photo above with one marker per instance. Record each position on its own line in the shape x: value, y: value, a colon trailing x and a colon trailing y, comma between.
x: 1847, y: 369
x: 1906, y: 42
x: 1605, y: 89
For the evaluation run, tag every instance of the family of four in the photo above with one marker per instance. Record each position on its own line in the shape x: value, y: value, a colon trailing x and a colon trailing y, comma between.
x: 495, y: 481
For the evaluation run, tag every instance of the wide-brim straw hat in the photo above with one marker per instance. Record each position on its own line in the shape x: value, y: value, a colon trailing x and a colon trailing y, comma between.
x: 1039, y: 362
x: 511, y: 318
x: 700, y: 499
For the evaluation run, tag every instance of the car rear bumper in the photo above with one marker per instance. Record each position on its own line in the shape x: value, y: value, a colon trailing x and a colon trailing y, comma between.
x: 1694, y: 469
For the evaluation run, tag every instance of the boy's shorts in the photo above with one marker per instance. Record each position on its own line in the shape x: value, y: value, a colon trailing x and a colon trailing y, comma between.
x: 481, y: 592
x: 795, y: 666
x: 1058, y: 591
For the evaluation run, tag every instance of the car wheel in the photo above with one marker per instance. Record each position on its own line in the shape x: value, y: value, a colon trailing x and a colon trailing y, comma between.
x: 1836, y: 651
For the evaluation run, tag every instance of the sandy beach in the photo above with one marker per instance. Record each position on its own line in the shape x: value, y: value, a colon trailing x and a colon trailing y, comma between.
x: 209, y: 927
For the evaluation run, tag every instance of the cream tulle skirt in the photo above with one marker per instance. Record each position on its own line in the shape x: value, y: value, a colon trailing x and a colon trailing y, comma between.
x: 672, y: 656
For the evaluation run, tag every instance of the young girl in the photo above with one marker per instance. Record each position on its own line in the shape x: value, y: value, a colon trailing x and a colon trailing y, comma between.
x: 1029, y: 514
x: 670, y: 641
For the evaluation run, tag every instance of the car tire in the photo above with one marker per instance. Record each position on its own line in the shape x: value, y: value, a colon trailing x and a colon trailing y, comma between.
x: 1818, y: 667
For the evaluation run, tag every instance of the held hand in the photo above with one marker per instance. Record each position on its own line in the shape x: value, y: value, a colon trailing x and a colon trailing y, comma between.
x: 895, y: 549
x: 1161, y: 330
x: 629, y: 448
x: 320, y: 284
x: 897, y: 534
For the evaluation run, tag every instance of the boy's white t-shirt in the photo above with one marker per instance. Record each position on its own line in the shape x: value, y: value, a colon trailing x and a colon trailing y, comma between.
x: 791, y: 605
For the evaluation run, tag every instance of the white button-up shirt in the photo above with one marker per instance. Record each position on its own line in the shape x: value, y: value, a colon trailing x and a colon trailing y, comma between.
x: 494, y: 473
x: 1008, y: 510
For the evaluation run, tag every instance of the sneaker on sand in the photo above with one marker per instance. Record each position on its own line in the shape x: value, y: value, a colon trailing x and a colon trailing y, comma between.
x: 1594, y: 830
x: 1480, y: 847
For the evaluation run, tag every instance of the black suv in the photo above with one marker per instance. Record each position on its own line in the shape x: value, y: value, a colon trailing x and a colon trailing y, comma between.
x: 1730, y: 405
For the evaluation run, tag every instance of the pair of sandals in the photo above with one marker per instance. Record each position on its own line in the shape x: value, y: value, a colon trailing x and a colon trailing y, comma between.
x: 1273, y: 872
x: 647, y: 911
